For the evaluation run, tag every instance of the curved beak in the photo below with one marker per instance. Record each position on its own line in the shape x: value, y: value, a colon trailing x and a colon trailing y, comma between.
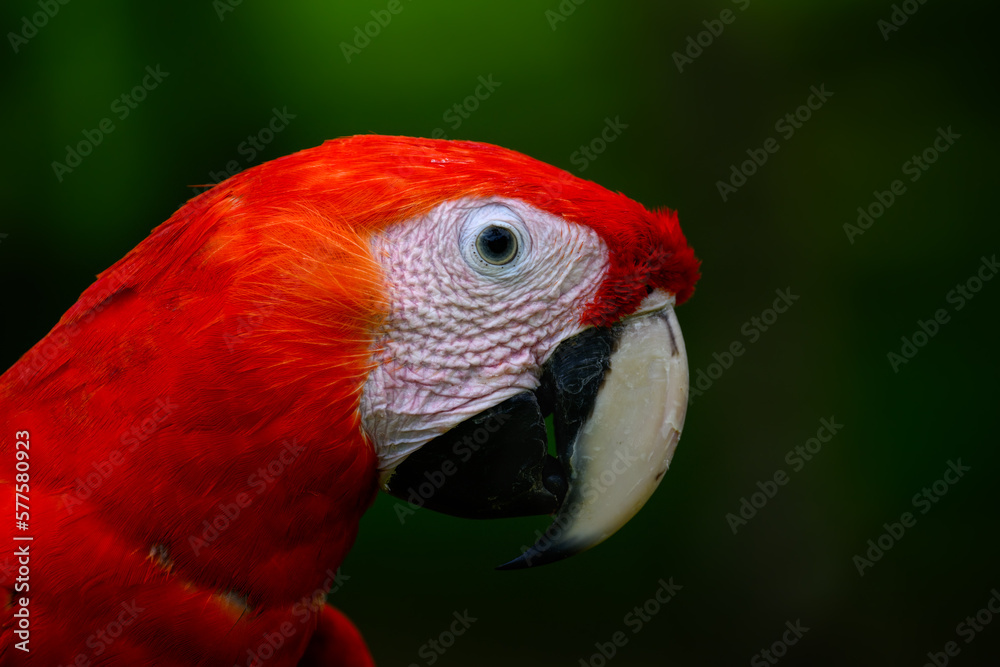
x: 617, y: 397
x: 623, y: 449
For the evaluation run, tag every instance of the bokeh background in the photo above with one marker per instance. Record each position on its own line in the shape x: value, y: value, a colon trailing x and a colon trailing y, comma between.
x: 562, y: 70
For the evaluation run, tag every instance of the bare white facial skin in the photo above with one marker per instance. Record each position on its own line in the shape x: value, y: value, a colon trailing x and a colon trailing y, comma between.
x: 464, y: 334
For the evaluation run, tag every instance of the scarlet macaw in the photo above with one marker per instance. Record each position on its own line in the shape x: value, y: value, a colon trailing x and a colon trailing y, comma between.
x: 192, y: 446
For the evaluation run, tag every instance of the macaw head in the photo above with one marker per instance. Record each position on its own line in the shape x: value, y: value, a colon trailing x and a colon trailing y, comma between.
x: 523, y: 305
x: 467, y: 328
x: 426, y: 316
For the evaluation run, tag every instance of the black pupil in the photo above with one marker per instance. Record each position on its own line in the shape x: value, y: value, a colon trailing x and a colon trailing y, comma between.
x: 496, y: 242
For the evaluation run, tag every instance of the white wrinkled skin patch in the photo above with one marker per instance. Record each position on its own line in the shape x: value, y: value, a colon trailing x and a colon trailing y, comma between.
x: 461, y: 335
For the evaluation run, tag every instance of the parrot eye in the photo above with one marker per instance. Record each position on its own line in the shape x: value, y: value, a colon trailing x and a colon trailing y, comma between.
x: 494, y: 241
x: 497, y: 245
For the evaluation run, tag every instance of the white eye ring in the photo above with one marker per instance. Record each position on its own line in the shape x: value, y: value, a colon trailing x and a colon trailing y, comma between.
x: 494, y: 240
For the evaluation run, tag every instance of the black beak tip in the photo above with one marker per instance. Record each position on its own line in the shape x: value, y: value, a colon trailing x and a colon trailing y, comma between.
x: 519, y: 563
x: 534, y: 557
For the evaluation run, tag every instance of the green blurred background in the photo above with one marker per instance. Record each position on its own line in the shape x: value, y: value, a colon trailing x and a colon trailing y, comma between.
x: 559, y: 81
